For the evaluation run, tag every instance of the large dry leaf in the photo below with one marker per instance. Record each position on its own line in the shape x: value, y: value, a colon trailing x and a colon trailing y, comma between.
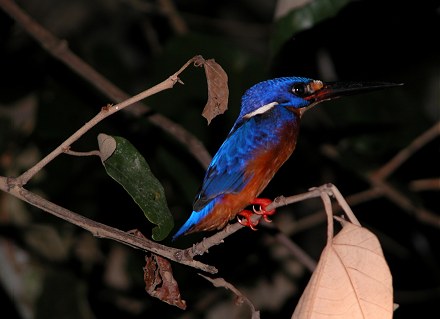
x: 352, y: 279
x: 218, y: 92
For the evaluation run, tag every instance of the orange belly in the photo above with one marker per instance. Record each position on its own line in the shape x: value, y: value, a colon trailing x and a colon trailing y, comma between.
x: 260, y: 171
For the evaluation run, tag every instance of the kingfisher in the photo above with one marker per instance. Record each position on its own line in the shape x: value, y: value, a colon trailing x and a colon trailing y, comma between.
x: 262, y: 138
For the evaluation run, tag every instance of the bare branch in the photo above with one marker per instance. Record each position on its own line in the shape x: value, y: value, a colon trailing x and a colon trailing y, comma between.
x: 59, y: 50
x: 75, y: 153
x: 344, y: 205
x: 105, y: 112
x: 220, y: 282
x: 425, y: 184
x: 380, y: 187
x: 296, y: 251
x: 168, y: 9
x: 98, y: 229
x: 387, y: 169
x: 216, y: 239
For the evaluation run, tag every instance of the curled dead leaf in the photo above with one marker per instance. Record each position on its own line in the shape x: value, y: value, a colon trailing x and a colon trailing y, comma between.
x: 218, y: 91
x: 160, y: 283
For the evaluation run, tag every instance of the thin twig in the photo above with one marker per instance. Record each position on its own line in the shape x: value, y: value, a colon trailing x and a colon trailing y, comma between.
x: 329, y: 213
x: 59, y: 50
x: 387, y: 169
x: 296, y: 251
x: 168, y: 8
x: 319, y: 217
x: 104, y: 113
x: 220, y: 282
x: 89, y: 153
x: 380, y: 187
x: 344, y: 205
x: 284, y: 201
x: 398, y: 198
x: 426, y: 184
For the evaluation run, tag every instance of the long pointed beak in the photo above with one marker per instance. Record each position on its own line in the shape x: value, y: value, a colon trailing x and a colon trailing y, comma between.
x: 332, y: 90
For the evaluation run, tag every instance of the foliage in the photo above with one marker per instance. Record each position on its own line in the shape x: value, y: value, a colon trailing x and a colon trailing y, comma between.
x: 128, y: 167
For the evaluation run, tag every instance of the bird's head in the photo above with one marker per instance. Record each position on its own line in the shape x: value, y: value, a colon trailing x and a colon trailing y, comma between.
x: 298, y: 93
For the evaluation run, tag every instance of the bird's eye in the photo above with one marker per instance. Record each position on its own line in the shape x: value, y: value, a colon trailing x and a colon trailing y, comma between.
x: 300, y: 89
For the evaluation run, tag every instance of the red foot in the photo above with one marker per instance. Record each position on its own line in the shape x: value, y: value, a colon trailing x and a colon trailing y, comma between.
x: 246, y: 221
x: 263, y: 202
x: 246, y: 214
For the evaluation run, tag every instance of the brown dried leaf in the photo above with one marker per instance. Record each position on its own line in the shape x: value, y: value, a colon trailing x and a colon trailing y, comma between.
x: 218, y: 91
x: 160, y: 283
x: 352, y: 279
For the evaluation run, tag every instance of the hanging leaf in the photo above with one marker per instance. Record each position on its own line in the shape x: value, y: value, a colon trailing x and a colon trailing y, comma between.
x: 160, y: 283
x: 352, y: 279
x: 218, y: 91
x: 129, y: 168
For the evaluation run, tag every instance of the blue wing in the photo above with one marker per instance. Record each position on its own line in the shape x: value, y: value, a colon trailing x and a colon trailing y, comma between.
x: 226, y: 173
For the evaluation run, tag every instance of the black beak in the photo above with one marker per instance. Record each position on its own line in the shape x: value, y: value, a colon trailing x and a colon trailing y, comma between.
x: 332, y: 90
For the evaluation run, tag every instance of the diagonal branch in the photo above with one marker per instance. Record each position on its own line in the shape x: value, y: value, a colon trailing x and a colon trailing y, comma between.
x: 387, y: 169
x: 380, y: 187
x: 98, y: 229
x: 241, y: 298
x: 59, y: 49
x: 104, y: 113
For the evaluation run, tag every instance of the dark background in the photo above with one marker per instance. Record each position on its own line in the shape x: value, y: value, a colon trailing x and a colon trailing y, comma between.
x: 64, y: 273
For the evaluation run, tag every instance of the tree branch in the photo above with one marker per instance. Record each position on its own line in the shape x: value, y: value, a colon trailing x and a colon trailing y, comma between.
x: 105, y: 112
x: 59, y: 50
x: 100, y: 230
x: 216, y: 239
x: 380, y: 187
x: 220, y: 282
x: 387, y: 169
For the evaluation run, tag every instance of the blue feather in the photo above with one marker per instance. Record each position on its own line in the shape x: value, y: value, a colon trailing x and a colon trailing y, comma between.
x: 195, y: 218
x: 274, y: 90
x: 226, y: 173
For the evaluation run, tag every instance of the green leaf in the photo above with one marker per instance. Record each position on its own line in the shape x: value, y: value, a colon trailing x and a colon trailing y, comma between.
x: 302, y: 18
x: 128, y: 167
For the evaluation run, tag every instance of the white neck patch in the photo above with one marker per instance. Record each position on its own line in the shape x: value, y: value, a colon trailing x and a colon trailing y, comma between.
x: 261, y: 110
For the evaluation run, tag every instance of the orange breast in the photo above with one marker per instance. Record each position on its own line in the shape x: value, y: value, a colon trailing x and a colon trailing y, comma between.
x: 261, y: 170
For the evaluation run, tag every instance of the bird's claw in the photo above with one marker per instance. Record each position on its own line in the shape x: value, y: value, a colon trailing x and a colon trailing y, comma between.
x: 262, y: 210
x: 246, y: 221
x: 263, y: 203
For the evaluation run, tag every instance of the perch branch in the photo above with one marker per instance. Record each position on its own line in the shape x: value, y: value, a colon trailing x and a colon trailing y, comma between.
x: 216, y: 239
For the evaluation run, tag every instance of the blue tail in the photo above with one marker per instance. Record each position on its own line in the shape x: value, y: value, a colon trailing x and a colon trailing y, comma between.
x: 194, y: 219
